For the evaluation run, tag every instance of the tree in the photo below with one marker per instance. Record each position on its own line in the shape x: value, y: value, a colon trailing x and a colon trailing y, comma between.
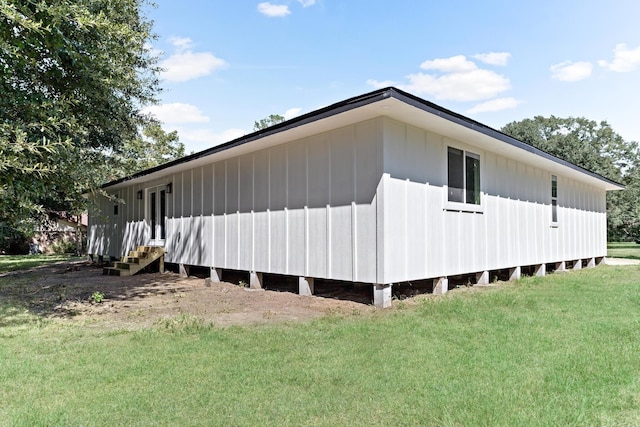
x: 596, y: 147
x: 623, y: 209
x: 273, y: 119
x: 152, y: 147
x: 74, y: 75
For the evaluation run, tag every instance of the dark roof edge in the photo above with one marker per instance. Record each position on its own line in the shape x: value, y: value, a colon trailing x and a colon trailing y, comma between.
x: 486, y: 130
x: 322, y: 113
x: 355, y: 102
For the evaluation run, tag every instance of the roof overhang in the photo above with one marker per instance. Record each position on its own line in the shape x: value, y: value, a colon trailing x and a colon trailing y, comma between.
x: 389, y: 102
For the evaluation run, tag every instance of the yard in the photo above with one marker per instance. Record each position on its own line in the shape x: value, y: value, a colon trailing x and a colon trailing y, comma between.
x: 559, y: 350
x: 623, y: 250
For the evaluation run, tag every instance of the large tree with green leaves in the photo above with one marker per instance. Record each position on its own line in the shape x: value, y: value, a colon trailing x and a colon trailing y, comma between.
x: 74, y: 75
x: 152, y: 147
x: 596, y: 147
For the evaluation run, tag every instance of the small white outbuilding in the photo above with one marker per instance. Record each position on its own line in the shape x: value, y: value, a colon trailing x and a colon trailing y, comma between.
x: 382, y: 188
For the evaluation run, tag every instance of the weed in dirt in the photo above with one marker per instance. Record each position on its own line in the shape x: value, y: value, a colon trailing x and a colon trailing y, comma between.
x: 184, y: 323
x: 97, y: 297
x: 268, y: 314
x: 334, y: 312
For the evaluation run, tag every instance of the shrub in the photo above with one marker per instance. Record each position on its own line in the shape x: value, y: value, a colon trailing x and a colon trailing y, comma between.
x: 63, y: 246
x: 13, y: 241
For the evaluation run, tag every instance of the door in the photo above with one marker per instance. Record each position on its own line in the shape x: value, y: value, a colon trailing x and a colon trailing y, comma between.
x: 156, y: 214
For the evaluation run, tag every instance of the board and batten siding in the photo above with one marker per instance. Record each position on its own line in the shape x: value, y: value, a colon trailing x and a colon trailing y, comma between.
x: 115, y: 235
x: 421, y: 237
x: 363, y: 203
x: 304, y: 208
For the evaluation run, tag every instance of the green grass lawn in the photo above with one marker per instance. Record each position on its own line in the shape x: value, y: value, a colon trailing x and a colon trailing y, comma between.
x: 23, y: 262
x: 623, y: 250
x: 560, y: 350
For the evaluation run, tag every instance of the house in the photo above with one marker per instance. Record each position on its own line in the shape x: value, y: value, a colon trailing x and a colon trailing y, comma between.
x: 382, y: 188
x: 59, y: 232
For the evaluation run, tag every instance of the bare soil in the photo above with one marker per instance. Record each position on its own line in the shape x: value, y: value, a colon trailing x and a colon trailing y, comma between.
x: 64, y: 291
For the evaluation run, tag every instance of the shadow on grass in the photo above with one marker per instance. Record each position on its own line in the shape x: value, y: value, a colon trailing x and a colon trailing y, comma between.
x: 628, y: 250
x: 623, y: 245
x: 14, y: 316
x: 49, y: 291
x: 13, y: 263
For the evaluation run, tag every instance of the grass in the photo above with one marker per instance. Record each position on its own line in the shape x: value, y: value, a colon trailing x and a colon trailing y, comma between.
x: 24, y: 262
x: 623, y: 250
x: 559, y: 350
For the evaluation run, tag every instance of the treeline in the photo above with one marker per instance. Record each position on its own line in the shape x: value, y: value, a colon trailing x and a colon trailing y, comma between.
x: 596, y: 147
x: 74, y: 78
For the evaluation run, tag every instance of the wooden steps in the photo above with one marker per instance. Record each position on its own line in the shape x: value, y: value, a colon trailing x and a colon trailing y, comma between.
x: 136, y: 261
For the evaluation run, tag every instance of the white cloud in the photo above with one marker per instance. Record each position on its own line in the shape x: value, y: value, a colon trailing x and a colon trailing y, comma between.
x: 381, y: 84
x: 459, y: 86
x: 181, y: 43
x: 181, y: 67
x: 455, y: 64
x: 494, y: 105
x: 307, y: 3
x: 291, y: 113
x: 568, y: 71
x: 454, y: 79
x: 494, y: 58
x: 177, y: 112
x: 185, y: 64
x: 208, y: 138
x: 624, y: 59
x: 273, y: 10
x: 198, y: 139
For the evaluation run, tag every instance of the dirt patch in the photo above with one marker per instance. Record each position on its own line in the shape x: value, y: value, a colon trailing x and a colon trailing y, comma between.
x: 64, y: 291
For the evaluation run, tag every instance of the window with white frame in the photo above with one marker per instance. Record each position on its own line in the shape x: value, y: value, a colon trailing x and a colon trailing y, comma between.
x: 463, y: 176
x: 554, y: 199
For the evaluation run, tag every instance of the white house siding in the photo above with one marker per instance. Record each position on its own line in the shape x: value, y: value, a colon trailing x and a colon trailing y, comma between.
x: 421, y: 238
x: 366, y: 203
x: 305, y: 208
x: 116, y: 235
x: 412, y: 230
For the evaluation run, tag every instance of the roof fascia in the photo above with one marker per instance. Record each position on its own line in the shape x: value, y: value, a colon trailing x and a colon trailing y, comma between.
x: 359, y: 101
x: 313, y: 116
x: 486, y: 130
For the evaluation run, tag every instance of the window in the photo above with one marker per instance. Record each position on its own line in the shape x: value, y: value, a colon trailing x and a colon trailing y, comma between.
x: 554, y: 199
x: 463, y: 173
x: 153, y: 215
x: 472, y: 182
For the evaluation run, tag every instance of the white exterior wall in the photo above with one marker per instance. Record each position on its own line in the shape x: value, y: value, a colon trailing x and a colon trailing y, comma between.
x: 116, y: 235
x: 366, y: 203
x: 422, y: 237
x: 305, y: 208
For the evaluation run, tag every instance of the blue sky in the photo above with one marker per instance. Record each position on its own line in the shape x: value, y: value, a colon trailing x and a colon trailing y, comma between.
x: 230, y: 63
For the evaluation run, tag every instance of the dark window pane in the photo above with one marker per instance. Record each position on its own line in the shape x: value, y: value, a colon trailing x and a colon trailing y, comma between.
x: 554, y: 198
x: 153, y: 214
x: 473, y: 180
x: 163, y: 213
x: 455, y: 170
